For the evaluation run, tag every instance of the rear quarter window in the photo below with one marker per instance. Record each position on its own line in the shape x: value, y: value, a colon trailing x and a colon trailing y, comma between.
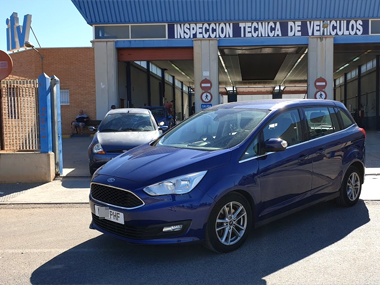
x: 346, y: 119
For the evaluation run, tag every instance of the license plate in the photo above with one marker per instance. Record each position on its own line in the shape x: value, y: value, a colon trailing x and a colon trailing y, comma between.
x: 108, y: 214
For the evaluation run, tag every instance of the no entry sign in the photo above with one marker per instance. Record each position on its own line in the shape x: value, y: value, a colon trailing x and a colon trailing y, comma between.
x: 206, y: 84
x: 320, y: 83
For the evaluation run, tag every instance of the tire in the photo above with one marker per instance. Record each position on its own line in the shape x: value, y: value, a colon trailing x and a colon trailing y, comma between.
x: 224, y: 232
x: 350, y: 189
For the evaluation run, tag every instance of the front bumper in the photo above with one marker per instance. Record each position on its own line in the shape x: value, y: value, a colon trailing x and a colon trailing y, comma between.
x: 154, y: 220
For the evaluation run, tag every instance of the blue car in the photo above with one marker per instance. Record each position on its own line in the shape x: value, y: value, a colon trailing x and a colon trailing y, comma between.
x: 163, y: 119
x: 228, y: 169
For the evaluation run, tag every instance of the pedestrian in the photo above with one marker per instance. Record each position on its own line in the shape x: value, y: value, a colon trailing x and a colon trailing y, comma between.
x: 80, y: 122
x: 192, y: 111
x: 169, y: 108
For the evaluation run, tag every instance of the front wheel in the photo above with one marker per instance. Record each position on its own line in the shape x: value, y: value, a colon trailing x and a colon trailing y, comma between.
x: 229, y: 223
x: 351, y: 188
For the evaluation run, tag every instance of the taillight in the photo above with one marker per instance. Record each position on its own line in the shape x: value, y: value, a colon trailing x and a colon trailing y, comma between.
x: 363, y: 131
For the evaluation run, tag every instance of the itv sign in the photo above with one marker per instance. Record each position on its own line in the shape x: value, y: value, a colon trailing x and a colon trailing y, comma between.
x: 17, y: 34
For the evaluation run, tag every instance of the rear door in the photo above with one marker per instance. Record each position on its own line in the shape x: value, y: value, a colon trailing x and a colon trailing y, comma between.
x: 326, y: 148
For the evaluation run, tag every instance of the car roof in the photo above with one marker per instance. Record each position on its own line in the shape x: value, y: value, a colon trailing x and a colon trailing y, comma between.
x: 275, y: 104
x: 129, y: 110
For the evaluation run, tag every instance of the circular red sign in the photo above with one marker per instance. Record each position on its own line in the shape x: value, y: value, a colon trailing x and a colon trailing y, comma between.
x: 6, y: 64
x: 320, y: 94
x: 320, y: 83
x: 206, y: 97
x: 206, y: 84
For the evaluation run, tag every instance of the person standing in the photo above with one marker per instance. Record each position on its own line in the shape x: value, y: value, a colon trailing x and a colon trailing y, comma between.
x: 169, y: 108
x: 192, y: 112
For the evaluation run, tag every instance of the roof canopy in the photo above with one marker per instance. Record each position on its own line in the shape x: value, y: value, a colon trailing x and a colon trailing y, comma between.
x: 179, y: 11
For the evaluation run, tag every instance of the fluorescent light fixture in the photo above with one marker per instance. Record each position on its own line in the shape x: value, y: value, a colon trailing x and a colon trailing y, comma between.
x: 343, y: 67
x: 225, y: 68
x: 295, y: 65
x: 180, y: 71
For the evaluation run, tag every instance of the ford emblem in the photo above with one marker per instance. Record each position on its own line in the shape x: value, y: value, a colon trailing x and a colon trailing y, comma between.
x: 110, y: 180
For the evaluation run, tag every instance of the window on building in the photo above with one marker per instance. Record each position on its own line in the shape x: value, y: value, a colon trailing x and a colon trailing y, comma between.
x: 65, y: 97
x: 148, y: 31
x: 13, y: 103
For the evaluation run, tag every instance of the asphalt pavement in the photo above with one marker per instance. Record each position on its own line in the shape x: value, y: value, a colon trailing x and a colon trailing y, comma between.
x: 73, y: 186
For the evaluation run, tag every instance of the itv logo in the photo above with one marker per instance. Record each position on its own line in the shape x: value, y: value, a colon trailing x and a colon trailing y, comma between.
x: 17, y: 35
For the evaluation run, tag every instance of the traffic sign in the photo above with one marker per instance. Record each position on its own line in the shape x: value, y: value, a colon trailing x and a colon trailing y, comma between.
x: 206, y: 97
x: 6, y: 64
x: 320, y: 83
x: 206, y: 84
x: 205, y: 106
x: 320, y: 94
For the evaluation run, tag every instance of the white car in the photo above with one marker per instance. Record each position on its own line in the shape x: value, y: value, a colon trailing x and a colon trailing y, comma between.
x: 121, y: 130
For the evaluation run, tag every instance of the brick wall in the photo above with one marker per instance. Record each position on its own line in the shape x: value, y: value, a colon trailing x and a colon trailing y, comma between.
x: 75, y: 68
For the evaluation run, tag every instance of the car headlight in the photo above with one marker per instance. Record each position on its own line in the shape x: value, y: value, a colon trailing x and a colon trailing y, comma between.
x: 177, y: 185
x: 98, y: 149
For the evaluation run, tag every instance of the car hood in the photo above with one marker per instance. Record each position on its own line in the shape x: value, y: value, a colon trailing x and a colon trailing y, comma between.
x: 125, y: 140
x: 151, y: 164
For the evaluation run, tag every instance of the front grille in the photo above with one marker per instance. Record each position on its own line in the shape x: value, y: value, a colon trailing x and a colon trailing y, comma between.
x: 138, y: 233
x: 115, y: 196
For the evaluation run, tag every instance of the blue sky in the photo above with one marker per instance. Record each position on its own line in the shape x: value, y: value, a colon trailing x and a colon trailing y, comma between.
x: 56, y: 23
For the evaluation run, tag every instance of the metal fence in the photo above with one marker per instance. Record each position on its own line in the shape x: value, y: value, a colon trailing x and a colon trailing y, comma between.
x: 19, y: 127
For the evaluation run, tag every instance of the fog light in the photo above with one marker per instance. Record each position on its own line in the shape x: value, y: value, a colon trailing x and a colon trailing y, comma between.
x: 175, y: 228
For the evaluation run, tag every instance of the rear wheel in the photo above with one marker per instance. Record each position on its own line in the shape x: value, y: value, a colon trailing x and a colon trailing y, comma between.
x: 351, y: 188
x: 229, y: 223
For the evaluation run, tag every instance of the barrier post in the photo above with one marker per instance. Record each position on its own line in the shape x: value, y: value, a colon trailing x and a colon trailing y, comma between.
x: 44, y: 99
x: 56, y: 123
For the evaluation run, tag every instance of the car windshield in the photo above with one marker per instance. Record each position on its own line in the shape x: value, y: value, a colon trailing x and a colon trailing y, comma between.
x: 126, y: 122
x: 214, y: 129
x: 159, y: 113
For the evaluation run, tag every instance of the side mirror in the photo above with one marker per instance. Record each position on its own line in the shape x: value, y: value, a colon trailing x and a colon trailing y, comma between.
x: 161, y: 123
x: 274, y: 145
x: 92, y: 128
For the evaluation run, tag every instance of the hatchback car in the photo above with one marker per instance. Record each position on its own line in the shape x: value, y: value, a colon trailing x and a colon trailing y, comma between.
x: 121, y: 130
x: 163, y: 119
x: 228, y: 169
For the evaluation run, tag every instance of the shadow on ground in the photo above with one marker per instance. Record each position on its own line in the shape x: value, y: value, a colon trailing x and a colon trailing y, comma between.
x: 106, y: 260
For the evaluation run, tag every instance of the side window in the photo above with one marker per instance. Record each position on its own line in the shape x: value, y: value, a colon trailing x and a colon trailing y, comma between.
x: 286, y: 126
x: 319, y: 122
x: 252, y: 150
x: 346, y: 120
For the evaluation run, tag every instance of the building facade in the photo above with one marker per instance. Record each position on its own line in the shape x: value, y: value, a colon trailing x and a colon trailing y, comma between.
x: 253, y: 47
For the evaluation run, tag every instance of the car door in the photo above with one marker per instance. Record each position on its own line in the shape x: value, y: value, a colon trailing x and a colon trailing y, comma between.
x: 285, y: 176
x: 327, y: 148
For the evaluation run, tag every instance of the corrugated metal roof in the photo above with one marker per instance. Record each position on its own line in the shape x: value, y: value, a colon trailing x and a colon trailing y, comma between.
x: 179, y: 11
